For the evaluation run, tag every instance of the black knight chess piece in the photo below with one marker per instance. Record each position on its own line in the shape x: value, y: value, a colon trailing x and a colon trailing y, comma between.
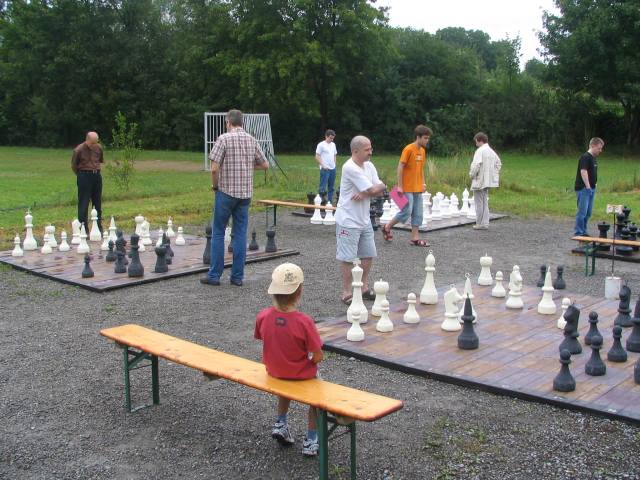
x: 111, y: 255
x: 543, y: 274
x: 617, y: 353
x: 310, y: 198
x: 135, y: 267
x: 120, y: 266
x: 86, y: 271
x: 271, y: 241
x: 595, y: 366
x: 564, y: 381
x: 633, y: 342
x: 593, y: 328
x: 166, y: 243
x: 623, y: 318
x: 559, y: 283
x: 571, y: 334
x: 468, y: 339
x: 206, y: 255
x: 604, y: 228
x: 254, y: 243
x: 161, y: 260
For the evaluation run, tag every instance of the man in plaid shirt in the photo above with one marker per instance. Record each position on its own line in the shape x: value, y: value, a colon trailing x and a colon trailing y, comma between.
x: 234, y: 157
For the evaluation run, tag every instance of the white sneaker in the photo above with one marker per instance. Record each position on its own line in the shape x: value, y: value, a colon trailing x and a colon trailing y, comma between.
x: 480, y: 227
x: 310, y: 447
x: 282, y: 434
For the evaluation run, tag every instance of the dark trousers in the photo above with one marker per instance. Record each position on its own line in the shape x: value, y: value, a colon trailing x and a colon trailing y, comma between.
x: 89, y: 188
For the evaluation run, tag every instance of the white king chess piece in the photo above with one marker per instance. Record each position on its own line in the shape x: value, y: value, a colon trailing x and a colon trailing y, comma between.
x: 411, y: 315
x: 547, y: 306
x: 452, y: 299
x: 316, y: 218
x: 429, y: 294
x: 94, y: 233
x: 485, y: 277
x: 64, y: 246
x: 105, y: 241
x: 328, y: 216
x: 498, y: 290
x: 380, y: 288
x: 180, y: 238
x: 17, y: 251
x: 30, y: 242
x: 170, y: 232
x: 112, y: 231
x: 75, y: 232
x: 566, y: 301
x: 515, y: 289
x: 83, y: 247
x: 357, y: 305
x: 385, y: 324
x: 355, y: 332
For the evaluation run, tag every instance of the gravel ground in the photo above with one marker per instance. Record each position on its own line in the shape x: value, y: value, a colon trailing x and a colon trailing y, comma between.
x: 61, y: 399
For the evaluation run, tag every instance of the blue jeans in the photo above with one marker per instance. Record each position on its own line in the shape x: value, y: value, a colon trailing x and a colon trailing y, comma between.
x: 327, y: 181
x: 227, y: 207
x: 584, y: 199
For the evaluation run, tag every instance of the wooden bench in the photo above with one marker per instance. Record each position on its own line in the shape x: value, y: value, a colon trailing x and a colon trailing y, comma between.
x: 591, y: 250
x: 346, y: 405
x: 273, y: 204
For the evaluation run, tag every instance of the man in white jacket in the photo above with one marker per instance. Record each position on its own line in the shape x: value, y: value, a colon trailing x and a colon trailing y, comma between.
x: 484, y: 174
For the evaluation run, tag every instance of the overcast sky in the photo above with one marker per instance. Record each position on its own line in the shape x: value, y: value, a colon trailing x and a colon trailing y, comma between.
x: 498, y: 18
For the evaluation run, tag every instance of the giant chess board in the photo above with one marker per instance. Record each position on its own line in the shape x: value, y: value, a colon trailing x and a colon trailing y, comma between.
x: 67, y: 267
x: 518, y: 354
x: 447, y: 223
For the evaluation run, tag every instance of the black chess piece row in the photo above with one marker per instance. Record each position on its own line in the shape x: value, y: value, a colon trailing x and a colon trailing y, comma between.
x: 558, y: 282
x: 253, y: 246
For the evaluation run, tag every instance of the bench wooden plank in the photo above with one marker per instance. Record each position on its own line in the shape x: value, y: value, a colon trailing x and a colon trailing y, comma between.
x: 610, y: 241
x: 337, y: 399
x: 294, y: 204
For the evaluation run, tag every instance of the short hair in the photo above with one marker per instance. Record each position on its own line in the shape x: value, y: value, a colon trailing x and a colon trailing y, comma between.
x: 284, y: 301
x: 422, y: 130
x: 358, y: 142
x: 235, y: 118
x: 329, y: 133
x: 596, y: 141
x: 481, y: 137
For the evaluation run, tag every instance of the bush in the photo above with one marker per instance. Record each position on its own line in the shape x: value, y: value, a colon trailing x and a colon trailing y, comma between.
x: 126, y: 148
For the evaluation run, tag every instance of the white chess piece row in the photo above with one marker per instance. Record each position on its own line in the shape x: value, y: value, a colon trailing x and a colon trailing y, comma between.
x: 316, y: 218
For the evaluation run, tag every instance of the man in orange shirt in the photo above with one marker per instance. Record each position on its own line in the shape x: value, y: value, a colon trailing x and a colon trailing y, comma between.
x: 411, y: 184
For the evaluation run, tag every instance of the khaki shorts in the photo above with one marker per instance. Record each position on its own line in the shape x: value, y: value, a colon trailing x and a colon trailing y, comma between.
x: 352, y: 243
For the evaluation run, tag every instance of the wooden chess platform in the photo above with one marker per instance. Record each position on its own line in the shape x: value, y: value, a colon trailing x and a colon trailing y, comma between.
x: 518, y: 353
x: 66, y: 267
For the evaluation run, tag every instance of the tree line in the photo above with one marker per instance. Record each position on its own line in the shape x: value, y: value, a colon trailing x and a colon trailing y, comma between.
x: 68, y: 66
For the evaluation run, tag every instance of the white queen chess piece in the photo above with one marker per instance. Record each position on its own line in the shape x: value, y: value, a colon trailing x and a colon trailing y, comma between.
x: 426, y: 208
x: 30, y: 242
x: 411, y: 315
x: 17, y: 251
x: 355, y: 332
x: 316, y: 218
x: 385, y: 324
x: 83, y: 246
x: 328, y: 216
x: 485, y: 277
x: 94, y: 233
x: 429, y: 294
x: 112, y: 230
x: 64, y: 246
x: 75, y: 232
x: 452, y: 299
x: 566, y: 301
x: 515, y: 289
x: 547, y: 306
x: 180, y: 238
x: 105, y: 241
x: 357, y: 305
x: 380, y: 288
x: 170, y: 232
x: 498, y: 290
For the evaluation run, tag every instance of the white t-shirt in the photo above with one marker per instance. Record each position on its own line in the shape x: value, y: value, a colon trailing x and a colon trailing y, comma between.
x: 355, y: 213
x: 327, y: 152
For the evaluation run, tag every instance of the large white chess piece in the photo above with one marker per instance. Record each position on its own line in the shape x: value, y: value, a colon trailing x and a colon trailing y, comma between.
x: 464, y: 210
x: 105, y: 242
x: 64, y: 246
x: 515, y: 289
x: 180, y: 238
x: 94, y: 233
x: 467, y: 292
x: 385, y: 324
x: 145, y: 234
x: 386, y: 213
x: 161, y: 233
x: 435, y: 209
x: 357, y: 305
x: 453, y: 207
x: 566, y: 301
x: 452, y: 299
x: 355, y: 332
x: 83, y: 246
x: 51, y: 232
x: 547, y: 306
x: 445, y: 203
x: 316, y: 218
x: 17, y: 251
x: 411, y: 315
x: 426, y: 208
x: 485, y: 277
x: 138, y: 219
x: 75, y: 232
x: 328, y: 216
x: 429, y: 294
x: 30, y: 242
x: 498, y: 290
x: 380, y: 288
x: 46, y: 247
x: 170, y: 232
x: 472, y: 209
x: 112, y: 231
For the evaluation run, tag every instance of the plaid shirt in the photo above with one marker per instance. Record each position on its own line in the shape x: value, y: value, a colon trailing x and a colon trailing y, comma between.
x: 236, y: 152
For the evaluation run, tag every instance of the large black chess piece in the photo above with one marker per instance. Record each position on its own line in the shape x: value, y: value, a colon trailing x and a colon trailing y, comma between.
x: 571, y: 334
x: 633, y: 342
x: 324, y: 197
x: 604, y: 228
x: 230, y: 246
x: 337, y: 196
x: 111, y: 255
x: 623, y: 318
x: 633, y: 235
x: 626, y: 211
x: 271, y: 241
x: 624, y: 249
x: 166, y: 243
x: 617, y: 353
x: 161, y: 260
x: 206, y: 255
x: 86, y: 271
x: 373, y: 218
x: 593, y: 328
x: 310, y: 197
x: 636, y: 372
x: 620, y: 223
x: 254, y: 243
x: 559, y: 283
x: 120, y: 266
x: 564, y: 381
x: 595, y: 366
x: 120, y: 234
x: 543, y: 274
x: 468, y: 339
x: 135, y: 267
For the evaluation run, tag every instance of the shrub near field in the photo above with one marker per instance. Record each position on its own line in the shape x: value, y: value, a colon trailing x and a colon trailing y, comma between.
x: 174, y: 184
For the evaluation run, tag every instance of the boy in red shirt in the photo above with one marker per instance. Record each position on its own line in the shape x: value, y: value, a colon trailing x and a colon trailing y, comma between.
x: 291, y: 347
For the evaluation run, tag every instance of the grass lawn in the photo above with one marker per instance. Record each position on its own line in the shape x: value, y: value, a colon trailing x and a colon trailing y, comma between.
x: 174, y: 184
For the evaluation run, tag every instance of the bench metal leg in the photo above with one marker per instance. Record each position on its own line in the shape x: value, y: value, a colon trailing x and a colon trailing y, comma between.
x: 132, y: 364
x: 590, y: 253
x: 352, y: 429
x: 323, y: 441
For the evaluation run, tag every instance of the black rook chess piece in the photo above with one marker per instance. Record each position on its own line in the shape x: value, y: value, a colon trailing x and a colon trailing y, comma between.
x: 135, y: 267
x: 271, y: 241
x: 161, y: 260
x: 604, y: 228
x: 559, y: 283
x: 254, y: 243
x: 570, y: 342
x: 633, y: 342
x: 543, y: 274
x: 468, y: 340
x: 624, y: 319
x: 593, y: 328
x: 617, y: 353
x: 120, y: 266
x: 595, y: 366
x: 166, y: 242
x: 111, y: 255
x: 564, y: 381
x: 206, y: 255
x: 86, y: 271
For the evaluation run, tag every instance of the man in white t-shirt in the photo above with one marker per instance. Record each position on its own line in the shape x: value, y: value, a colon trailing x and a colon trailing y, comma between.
x: 354, y: 233
x: 326, y: 154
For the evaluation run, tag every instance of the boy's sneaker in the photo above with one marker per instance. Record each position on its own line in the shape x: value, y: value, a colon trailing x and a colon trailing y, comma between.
x: 310, y: 447
x: 282, y: 434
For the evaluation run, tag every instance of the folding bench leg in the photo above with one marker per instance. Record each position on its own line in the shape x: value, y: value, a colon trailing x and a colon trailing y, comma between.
x: 323, y: 440
x: 132, y: 364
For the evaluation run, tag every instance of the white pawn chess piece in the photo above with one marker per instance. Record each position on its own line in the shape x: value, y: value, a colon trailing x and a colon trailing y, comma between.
x: 46, y: 248
x: 328, y: 216
x: 355, y: 332
x: 547, y: 306
x: 30, y: 242
x: 472, y: 209
x: 386, y: 213
x: 464, y: 209
x: 170, y: 232
x: 17, y: 251
x: 435, y: 209
x: 94, y: 233
x: 411, y: 315
x: 316, y: 218
x: 445, y: 203
x: 485, y: 277
x: 161, y: 233
x: 380, y: 288
x: 112, y: 231
x: 52, y: 236
x: 45, y: 237
x: 429, y: 294
x: 566, y: 301
x: 105, y: 241
x: 83, y: 247
x: 138, y: 219
x: 145, y: 233
x: 180, y: 238
x: 498, y: 290
x: 467, y: 292
x: 453, y: 207
x: 515, y: 289
x: 64, y: 246
x: 452, y: 300
x: 357, y: 305
x: 75, y: 232
x: 385, y: 324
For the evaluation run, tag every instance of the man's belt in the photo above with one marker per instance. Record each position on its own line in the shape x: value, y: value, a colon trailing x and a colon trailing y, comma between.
x: 89, y: 171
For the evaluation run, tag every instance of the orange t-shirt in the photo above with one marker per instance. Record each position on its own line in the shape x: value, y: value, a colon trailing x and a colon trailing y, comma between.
x: 414, y: 159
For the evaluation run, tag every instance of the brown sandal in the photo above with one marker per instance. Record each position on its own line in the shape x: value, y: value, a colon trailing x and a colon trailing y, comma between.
x: 386, y: 233
x: 419, y: 243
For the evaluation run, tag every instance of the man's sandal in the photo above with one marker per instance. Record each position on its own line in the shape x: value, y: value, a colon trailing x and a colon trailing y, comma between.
x: 386, y: 233
x: 419, y: 243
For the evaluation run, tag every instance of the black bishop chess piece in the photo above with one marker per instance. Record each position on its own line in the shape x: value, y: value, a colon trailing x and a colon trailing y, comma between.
x: 271, y: 241
x: 564, y: 381
x: 86, y: 271
x: 254, y: 243
x: 310, y: 198
x: 120, y: 234
x: 604, y: 229
x: 166, y: 243
x: 571, y: 334
x: 161, y: 260
x: 593, y: 328
x: 595, y: 366
x: 623, y: 318
x: 617, y: 353
x: 120, y: 266
x: 543, y: 274
x: 559, y: 283
x: 633, y: 341
x: 468, y: 339
x: 206, y: 255
x: 135, y: 267
x: 111, y: 255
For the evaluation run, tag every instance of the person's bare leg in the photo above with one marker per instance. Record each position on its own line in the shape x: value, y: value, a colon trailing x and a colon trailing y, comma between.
x: 415, y: 233
x: 312, y: 418
x: 366, y: 266
x: 346, y: 278
x: 283, y: 405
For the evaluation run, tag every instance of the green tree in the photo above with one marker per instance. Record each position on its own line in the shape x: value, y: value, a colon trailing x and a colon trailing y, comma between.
x: 126, y: 148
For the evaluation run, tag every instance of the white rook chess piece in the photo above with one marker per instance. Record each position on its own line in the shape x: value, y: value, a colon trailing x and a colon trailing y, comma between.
x: 105, y: 241
x: 452, y: 300
x: 498, y: 290
x: 51, y: 231
x: 429, y: 294
x: 411, y: 315
x: 485, y: 277
x: 385, y: 324
x: 170, y: 232
x: 30, y: 242
x: 468, y: 293
x: 94, y: 233
x: 180, y: 238
x: 515, y: 289
x: 17, y: 251
x: 138, y: 219
x: 328, y: 216
x: 75, y: 232
x: 566, y: 301
x: 547, y: 306
x: 472, y: 209
x: 464, y: 210
x: 83, y: 247
x: 161, y: 233
x: 64, y: 246
x: 386, y: 213
x: 381, y: 288
x: 357, y: 305
x: 112, y: 231
x: 355, y: 332
x: 316, y: 218
x: 145, y: 230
